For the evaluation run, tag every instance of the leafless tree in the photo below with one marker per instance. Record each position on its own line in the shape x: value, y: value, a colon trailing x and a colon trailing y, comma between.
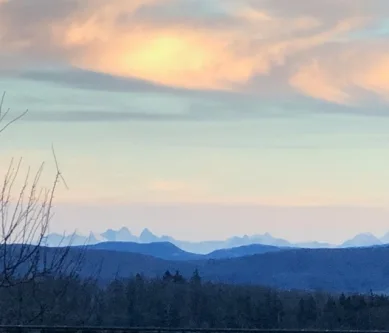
x: 25, y: 215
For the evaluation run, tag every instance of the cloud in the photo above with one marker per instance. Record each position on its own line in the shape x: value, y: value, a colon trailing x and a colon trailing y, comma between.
x: 192, y: 112
x: 78, y: 78
x: 98, y: 116
x: 194, y: 13
x: 346, y: 74
x: 200, y: 45
x: 92, y: 80
x: 313, y: 80
x: 327, y: 12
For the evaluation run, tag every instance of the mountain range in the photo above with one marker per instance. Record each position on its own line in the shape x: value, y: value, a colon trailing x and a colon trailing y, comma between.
x: 205, y: 247
x: 360, y: 264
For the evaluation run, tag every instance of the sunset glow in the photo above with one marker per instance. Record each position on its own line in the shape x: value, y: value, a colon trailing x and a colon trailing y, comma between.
x: 276, y: 103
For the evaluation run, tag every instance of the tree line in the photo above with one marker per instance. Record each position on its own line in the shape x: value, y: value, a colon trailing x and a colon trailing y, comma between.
x: 173, y: 301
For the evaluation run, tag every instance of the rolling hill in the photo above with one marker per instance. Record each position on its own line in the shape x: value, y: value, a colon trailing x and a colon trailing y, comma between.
x: 335, y: 270
x: 162, y: 250
x: 242, y: 251
x: 169, y: 251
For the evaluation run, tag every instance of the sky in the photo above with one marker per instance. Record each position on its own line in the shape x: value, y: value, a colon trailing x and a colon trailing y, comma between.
x: 203, y: 119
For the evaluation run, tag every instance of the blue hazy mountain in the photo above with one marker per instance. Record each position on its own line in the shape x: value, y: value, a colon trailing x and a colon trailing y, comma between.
x: 205, y: 247
x: 121, y: 235
x: 362, y: 240
x: 146, y: 236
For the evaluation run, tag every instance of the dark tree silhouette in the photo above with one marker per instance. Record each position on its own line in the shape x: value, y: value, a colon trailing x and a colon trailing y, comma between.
x: 25, y: 215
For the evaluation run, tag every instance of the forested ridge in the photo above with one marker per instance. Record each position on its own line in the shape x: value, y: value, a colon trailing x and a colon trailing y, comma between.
x: 356, y: 270
x: 173, y: 301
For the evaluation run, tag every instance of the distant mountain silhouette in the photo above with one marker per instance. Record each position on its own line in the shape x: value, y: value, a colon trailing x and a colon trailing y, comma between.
x: 75, y: 239
x: 385, y: 239
x: 122, y: 235
x: 362, y: 240
x: 205, y: 247
x: 148, y: 237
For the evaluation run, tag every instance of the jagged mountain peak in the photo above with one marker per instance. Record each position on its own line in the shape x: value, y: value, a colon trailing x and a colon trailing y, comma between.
x: 125, y: 229
x: 147, y: 236
x: 123, y: 235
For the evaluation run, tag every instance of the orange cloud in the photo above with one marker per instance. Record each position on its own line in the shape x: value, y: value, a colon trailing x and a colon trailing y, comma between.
x: 335, y: 75
x: 112, y: 37
x: 184, y: 57
x: 313, y: 80
x: 376, y: 76
x: 174, y: 58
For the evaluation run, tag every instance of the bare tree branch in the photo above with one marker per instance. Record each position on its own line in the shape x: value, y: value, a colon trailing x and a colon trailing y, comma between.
x: 27, y: 264
x: 3, y: 115
x: 24, y: 224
